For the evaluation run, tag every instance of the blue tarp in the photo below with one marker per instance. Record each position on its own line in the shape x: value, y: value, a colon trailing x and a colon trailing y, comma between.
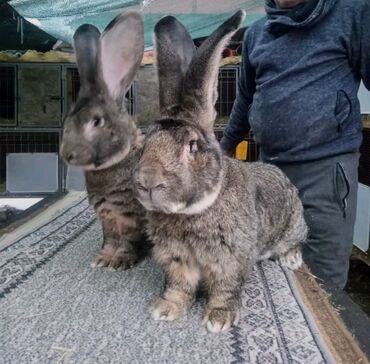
x: 60, y: 18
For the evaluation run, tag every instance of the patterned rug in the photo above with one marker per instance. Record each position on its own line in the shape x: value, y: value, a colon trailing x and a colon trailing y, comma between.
x: 54, y: 308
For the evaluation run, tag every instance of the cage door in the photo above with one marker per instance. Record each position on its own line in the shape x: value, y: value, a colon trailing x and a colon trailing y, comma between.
x: 40, y: 96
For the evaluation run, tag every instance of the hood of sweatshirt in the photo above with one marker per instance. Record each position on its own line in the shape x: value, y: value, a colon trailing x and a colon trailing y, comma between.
x: 305, y: 15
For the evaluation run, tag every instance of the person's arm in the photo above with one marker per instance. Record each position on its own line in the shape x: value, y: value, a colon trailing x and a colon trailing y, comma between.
x: 238, y: 125
x: 361, y: 41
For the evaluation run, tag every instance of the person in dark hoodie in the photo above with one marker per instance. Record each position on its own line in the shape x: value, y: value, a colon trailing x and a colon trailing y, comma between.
x: 301, y: 69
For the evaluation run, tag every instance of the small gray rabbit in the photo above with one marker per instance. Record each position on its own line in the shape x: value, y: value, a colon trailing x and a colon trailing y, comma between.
x: 210, y: 218
x: 101, y: 137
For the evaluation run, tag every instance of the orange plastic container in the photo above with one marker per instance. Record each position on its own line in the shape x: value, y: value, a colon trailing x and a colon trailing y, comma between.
x: 241, y: 152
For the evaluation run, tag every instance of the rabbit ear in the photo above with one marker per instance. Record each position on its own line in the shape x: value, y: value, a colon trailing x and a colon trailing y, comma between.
x: 122, y: 48
x: 200, y: 85
x: 174, y: 51
x: 86, y: 44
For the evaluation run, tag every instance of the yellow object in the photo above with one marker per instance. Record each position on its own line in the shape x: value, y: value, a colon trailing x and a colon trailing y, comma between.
x: 241, y: 152
x: 34, y: 56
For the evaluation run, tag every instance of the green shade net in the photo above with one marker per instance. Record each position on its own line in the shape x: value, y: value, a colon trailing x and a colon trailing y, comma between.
x: 60, y: 18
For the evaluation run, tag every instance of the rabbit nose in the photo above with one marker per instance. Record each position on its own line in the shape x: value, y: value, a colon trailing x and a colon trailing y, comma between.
x: 150, y: 179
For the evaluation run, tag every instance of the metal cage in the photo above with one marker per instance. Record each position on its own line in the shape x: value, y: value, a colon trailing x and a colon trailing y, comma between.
x: 8, y: 99
x: 39, y: 95
x: 252, y: 151
x: 27, y: 141
x: 72, y: 86
x: 17, y: 137
x: 228, y: 77
x: 21, y: 102
x: 19, y: 132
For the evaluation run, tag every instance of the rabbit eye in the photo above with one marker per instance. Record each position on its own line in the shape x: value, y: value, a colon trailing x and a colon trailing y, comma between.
x: 97, y: 121
x: 193, y: 146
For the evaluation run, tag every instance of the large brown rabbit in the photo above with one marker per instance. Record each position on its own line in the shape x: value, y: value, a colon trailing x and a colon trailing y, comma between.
x: 101, y: 137
x: 211, y: 218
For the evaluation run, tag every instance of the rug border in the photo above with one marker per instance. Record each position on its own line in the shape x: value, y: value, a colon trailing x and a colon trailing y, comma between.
x: 344, y: 346
x: 285, y: 354
x: 32, y: 231
x: 23, y: 277
x: 321, y: 343
x: 41, y: 219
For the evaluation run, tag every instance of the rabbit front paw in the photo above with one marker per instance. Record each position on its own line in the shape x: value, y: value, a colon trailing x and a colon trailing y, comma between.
x: 114, y: 259
x: 220, y: 319
x: 292, y: 259
x: 165, y: 310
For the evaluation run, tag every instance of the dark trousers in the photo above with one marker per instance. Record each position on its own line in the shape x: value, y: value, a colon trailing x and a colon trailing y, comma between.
x: 328, y: 190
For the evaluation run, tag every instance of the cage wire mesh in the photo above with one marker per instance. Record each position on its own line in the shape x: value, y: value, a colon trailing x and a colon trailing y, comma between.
x: 73, y: 86
x: 228, y: 78
x: 252, y: 146
x: 25, y: 142
x: 227, y: 85
x: 39, y: 95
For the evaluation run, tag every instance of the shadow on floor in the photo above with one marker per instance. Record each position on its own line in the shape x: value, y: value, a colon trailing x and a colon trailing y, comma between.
x: 358, y: 286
